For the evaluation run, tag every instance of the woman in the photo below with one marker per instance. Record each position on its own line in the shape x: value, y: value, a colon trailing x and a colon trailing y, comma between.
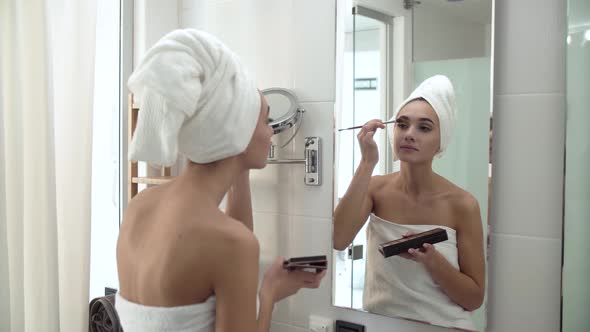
x: 184, y: 265
x: 441, y: 283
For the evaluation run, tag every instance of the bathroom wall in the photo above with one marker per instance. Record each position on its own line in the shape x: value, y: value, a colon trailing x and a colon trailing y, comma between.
x: 152, y: 20
x: 528, y: 155
x: 290, y: 43
x: 441, y: 35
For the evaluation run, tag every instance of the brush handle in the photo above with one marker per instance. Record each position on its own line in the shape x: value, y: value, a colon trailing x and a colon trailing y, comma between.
x: 357, y: 127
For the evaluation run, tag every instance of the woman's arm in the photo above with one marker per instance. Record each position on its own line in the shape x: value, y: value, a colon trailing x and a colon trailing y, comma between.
x: 239, y: 200
x: 466, y: 286
x: 236, y: 280
x: 353, y: 209
x: 235, y: 285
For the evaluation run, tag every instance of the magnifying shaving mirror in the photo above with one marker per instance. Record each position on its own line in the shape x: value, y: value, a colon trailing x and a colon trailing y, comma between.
x: 284, y: 109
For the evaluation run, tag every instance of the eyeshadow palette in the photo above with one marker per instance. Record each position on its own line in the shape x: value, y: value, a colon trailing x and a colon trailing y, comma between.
x: 317, y: 263
x: 414, y: 241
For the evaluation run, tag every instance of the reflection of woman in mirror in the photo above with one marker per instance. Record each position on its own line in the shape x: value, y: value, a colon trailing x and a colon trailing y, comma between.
x: 442, y: 283
x: 183, y: 264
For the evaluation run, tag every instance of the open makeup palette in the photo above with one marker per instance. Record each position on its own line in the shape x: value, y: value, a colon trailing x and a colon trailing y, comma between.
x: 317, y: 263
x: 415, y: 241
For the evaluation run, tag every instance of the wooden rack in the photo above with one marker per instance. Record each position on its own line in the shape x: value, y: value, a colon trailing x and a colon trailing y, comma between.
x: 133, y: 178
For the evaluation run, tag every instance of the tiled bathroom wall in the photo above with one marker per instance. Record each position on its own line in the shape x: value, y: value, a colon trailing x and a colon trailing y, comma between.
x: 529, y: 137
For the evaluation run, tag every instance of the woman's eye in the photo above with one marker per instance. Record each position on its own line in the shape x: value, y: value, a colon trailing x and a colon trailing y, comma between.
x: 425, y: 129
x: 401, y: 125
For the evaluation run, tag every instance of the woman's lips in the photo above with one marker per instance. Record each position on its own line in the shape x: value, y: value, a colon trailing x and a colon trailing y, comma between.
x: 408, y: 147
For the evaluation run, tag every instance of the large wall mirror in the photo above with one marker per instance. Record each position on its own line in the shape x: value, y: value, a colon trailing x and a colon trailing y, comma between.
x: 387, y: 49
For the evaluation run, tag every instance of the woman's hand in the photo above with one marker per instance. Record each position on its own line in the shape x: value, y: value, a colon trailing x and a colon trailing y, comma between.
x: 428, y: 255
x: 279, y: 283
x: 369, y: 151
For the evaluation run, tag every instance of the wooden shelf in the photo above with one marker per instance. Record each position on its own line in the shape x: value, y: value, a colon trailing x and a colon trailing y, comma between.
x: 133, y: 178
x: 152, y: 179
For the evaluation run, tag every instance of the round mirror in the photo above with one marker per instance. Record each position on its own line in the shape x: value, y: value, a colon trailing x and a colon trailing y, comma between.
x: 284, y: 108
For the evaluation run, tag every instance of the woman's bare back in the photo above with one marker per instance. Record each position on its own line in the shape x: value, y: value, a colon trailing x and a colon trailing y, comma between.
x: 168, y: 246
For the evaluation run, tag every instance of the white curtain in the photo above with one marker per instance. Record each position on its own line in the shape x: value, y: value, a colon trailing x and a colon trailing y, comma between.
x: 46, y: 89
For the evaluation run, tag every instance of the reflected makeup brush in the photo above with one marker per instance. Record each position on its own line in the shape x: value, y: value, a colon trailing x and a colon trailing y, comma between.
x: 357, y: 127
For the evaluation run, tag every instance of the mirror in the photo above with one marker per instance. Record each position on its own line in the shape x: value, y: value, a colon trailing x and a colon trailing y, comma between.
x: 284, y: 108
x: 576, y: 229
x: 387, y: 50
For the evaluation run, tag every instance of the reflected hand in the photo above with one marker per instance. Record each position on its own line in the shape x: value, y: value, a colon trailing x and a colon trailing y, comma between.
x: 427, y: 254
x: 279, y: 283
x: 369, y: 150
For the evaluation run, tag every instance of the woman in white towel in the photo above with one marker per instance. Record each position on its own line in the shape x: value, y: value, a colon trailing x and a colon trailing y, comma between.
x: 183, y: 264
x: 439, y: 284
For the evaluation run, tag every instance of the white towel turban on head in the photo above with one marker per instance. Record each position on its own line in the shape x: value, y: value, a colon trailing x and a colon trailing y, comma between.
x: 195, y: 98
x: 439, y: 93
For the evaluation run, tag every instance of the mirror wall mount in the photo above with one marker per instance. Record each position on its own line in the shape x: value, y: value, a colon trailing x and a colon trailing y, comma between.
x: 284, y: 103
x: 311, y: 160
x: 292, y: 115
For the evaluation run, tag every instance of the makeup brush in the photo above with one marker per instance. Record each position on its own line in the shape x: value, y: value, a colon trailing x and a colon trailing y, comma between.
x: 357, y: 127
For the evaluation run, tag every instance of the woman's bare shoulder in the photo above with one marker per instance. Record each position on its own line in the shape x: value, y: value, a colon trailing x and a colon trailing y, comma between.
x: 220, y: 238
x: 379, y: 181
x: 217, y: 229
x: 461, y: 200
x: 143, y: 203
x: 465, y: 207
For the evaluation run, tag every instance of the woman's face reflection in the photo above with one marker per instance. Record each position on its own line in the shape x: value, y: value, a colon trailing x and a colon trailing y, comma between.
x: 417, y: 132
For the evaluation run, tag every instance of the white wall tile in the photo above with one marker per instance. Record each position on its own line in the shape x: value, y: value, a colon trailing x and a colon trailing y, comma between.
x: 525, y: 284
x: 282, y: 312
x: 311, y: 237
x: 304, y: 200
x: 272, y: 231
x: 264, y: 186
x: 314, y: 43
x: 152, y: 20
x: 529, y: 47
x: 188, y: 4
x: 278, y: 327
x: 274, y: 45
x: 527, y: 186
x: 185, y: 18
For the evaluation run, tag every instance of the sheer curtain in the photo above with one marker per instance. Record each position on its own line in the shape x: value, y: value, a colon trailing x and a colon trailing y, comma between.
x: 46, y: 85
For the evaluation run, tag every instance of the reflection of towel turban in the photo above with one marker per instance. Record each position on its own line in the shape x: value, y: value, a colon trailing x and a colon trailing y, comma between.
x: 439, y: 93
x: 194, y: 98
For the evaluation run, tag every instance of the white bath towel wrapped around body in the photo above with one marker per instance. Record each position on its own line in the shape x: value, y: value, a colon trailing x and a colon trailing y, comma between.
x: 400, y: 287
x: 189, y: 318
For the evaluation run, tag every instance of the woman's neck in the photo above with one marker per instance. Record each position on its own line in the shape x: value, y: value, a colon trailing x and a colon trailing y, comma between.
x: 417, y: 179
x: 211, y: 180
